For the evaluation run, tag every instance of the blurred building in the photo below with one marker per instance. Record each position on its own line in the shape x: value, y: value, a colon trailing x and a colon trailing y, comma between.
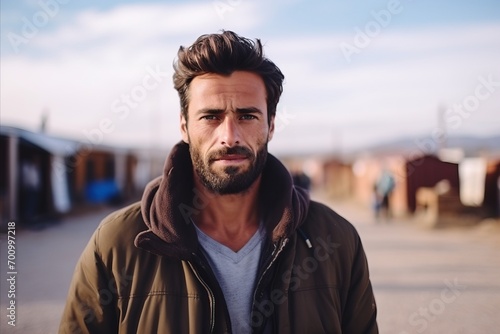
x: 34, y: 179
x: 458, y: 184
x: 45, y: 176
x: 491, y: 199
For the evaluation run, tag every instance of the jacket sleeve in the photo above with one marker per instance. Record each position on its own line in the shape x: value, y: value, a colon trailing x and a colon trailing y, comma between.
x: 91, y: 301
x: 360, y: 314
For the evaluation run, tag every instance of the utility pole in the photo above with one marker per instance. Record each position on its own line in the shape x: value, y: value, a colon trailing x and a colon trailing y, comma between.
x: 44, y: 120
x: 337, y: 142
x: 442, y: 138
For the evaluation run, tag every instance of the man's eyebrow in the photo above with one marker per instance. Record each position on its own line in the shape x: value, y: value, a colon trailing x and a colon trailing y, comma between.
x: 211, y: 111
x: 249, y: 110
x: 215, y: 111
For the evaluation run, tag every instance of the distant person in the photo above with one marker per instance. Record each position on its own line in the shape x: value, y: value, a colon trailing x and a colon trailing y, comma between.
x: 383, y: 189
x: 223, y: 242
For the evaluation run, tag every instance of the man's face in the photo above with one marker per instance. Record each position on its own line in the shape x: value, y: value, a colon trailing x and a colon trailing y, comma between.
x: 227, y: 130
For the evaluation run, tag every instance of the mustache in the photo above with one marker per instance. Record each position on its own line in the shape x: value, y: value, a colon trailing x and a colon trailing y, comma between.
x: 239, y: 150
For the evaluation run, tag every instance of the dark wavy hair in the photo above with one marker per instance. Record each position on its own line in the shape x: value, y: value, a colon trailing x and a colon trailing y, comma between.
x: 223, y: 54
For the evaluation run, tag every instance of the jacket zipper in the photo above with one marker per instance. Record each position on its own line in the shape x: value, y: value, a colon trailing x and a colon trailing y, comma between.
x: 274, y: 256
x: 273, y: 259
x: 211, y: 296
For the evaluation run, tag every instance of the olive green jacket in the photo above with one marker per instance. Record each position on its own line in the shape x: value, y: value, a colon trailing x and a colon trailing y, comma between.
x: 143, y: 271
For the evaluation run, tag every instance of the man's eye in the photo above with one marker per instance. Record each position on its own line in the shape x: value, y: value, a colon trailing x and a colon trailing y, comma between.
x: 210, y: 117
x: 248, y: 117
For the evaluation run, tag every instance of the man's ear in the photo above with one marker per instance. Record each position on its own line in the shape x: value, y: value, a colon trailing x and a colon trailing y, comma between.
x: 271, y: 129
x: 184, y: 130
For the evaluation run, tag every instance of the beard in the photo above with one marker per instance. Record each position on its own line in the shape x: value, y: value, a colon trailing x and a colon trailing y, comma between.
x: 232, y: 179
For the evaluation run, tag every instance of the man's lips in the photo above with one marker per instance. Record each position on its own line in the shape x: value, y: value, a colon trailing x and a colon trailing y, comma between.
x: 231, y: 157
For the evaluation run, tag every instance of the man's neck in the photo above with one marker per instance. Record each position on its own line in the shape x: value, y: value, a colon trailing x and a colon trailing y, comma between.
x: 229, y: 219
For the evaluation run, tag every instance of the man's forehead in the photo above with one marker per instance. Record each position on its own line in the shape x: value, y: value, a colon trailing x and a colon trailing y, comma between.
x: 240, y: 85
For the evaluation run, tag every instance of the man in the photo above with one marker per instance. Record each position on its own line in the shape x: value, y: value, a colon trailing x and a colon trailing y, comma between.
x: 383, y: 189
x: 223, y: 242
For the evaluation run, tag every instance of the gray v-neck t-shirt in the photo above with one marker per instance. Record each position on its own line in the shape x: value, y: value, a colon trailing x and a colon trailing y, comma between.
x: 236, y: 273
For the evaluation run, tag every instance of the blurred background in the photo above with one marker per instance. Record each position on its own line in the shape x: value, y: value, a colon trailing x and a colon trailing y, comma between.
x: 391, y: 105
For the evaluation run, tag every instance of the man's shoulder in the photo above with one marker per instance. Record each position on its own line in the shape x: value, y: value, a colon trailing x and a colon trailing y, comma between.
x: 120, y: 227
x: 125, y: 215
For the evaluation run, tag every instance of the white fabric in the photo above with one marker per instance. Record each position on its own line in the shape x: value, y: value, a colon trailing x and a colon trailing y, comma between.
x: 60, y: 192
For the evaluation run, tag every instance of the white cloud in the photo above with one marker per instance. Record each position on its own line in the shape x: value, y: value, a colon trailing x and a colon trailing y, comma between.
x: 387, y: 93
x: 139, y: 24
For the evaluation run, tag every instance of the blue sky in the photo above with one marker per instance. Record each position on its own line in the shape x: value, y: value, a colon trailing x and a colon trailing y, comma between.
x: 356, y: 74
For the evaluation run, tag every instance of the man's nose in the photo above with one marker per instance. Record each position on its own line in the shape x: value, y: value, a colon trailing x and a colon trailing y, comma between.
x: 230, y: 132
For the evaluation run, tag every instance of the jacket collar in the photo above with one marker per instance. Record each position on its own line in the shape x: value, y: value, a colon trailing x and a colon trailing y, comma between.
x: 170, y: 200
